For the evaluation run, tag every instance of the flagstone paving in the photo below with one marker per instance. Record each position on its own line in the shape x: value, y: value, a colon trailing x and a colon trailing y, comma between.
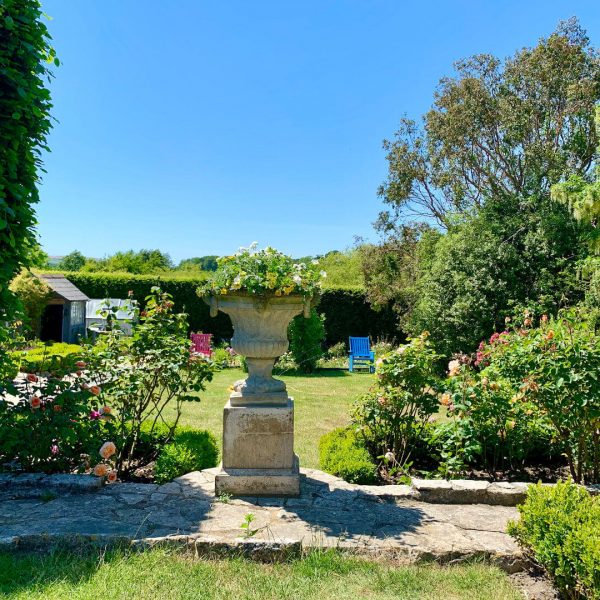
x: 387, y: 521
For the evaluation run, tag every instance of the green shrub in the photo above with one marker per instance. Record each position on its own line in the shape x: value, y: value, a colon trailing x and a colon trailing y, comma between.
x: 191, y: 450
x: 560, y: 525
x: 33, y: 294
x: 49, y: 357
x: 392, y: 417
x: 306, y: 339
x: 342, y: 454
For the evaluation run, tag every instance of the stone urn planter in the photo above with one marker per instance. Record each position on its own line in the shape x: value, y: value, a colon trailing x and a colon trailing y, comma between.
x: 258, y: 419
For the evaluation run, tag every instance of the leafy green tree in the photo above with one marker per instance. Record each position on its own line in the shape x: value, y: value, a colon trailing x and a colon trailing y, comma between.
x: 499, y: 135
x: 498, y: 131
x: 25, y: 58
x: 72, y: 262
x: 200, y: 263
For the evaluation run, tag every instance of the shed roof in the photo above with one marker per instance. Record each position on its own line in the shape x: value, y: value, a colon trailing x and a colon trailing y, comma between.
x: 64, y: 288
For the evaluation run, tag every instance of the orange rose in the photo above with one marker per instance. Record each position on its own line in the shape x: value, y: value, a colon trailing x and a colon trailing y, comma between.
x: 95, y: 389
x: 445, y: 399
x: 112, y: 476
x: 80, y: 364
x: 550, y: 335
x: 57, y: 407
x: 107, y: 450
x: 35, y: 401
x: 105, y: 410
x: 31, y: 377
x: 100, y: 470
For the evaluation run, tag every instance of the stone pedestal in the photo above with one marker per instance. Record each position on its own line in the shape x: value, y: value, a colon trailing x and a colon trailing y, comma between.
x: 258, y: 451
x: 258, y: 420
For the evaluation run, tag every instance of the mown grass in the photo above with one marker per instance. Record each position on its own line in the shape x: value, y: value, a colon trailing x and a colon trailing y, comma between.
x: 322, y: 402
x: 161, y: 574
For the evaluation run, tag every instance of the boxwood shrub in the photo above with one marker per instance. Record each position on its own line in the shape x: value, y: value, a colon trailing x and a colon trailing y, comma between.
x: 342, y: 454
x: 560, y: 526
x: 191, y: 450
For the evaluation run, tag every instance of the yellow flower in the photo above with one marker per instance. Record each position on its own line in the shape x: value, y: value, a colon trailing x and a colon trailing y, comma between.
x: 223, y: 291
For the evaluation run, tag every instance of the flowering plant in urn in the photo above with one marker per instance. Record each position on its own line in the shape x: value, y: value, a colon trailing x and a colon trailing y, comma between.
x: 262, y: 291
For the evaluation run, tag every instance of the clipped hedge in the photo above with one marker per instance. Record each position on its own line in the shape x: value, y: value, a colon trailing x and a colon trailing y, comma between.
x: 347, y: 311
x: 560, y: 526
x: 342, y: 454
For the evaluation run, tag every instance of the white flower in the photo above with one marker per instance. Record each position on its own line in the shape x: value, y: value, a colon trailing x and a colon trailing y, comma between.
x: 297, y: 279
x: 389, y: 457
x: 323, y: 274
x: 314, y: 261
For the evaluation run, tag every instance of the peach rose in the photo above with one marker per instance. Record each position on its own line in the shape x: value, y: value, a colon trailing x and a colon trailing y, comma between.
x: 107, y: 450
x: 100, y: 470
x: 445, y: 399
x: 95, y: 389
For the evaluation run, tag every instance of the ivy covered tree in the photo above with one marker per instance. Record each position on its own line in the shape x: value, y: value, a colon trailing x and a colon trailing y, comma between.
x: 25, y: 68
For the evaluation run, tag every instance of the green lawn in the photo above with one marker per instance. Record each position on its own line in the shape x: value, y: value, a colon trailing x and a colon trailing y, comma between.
x: 322, y: 402
x: 164, y: 575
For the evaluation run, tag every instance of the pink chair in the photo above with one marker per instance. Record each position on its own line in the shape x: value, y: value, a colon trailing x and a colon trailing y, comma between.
x: 201, y: 343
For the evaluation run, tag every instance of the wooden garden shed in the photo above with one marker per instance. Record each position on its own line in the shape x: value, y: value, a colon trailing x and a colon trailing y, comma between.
x: 63, y: 319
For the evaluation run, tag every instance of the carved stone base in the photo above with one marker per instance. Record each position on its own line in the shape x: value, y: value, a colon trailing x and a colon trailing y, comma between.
x: 259, y: 482
x: 258, y: 450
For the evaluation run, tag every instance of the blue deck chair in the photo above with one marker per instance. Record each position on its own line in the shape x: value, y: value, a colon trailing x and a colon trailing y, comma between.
x: 361, y: 354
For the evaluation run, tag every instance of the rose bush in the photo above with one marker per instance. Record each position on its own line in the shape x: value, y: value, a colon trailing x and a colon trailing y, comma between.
x: 392, y: 418
x: 53, y: 423
x: 146, y: 374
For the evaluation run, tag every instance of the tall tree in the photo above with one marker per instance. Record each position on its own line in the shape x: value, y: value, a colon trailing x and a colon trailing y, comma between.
x: 498, y: 131
x: 500, y: 134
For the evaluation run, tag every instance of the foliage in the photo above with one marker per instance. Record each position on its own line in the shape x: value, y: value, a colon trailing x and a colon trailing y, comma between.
x: 139, y: 263
x: 73, y: 261
x: 553, y: 370
x: 306, y: 340
x: 488, y: 427
x: 43, y: 358
x: 582, y: 194
x: 54, y: 421
x: 25, y: 58
x: 560, y: 526
x: 344, y: 269
x: 33, y: 294
x: 190, y: 450
x: 482, y: 166
x: 265, y: 271
x: 149, y: 371
x: 346, y: 311
x: 343, y: 454
x: 392, y: 417
x: 485, y: 139
x: 200, y: 263
x: 338, y: 350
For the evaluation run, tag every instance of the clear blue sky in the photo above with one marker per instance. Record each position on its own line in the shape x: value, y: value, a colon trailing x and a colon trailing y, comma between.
x: 196, y: 127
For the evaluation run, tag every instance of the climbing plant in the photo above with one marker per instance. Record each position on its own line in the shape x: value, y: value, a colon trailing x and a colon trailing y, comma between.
x: 25, y: 69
